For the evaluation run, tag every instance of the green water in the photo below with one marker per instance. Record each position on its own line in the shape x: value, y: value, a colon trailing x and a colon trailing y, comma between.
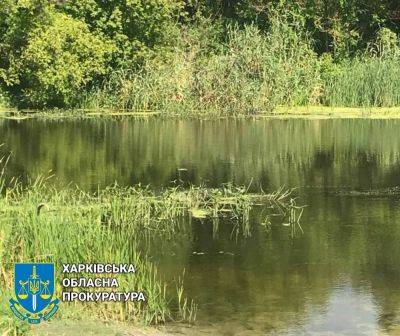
x: 341, y: 277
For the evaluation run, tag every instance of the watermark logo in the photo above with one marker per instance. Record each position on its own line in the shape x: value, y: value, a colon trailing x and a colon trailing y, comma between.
x: 34, y: 291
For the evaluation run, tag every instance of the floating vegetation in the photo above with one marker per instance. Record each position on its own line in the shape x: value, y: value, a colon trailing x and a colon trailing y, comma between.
x: 17, y: 118
x: 384, y: 192
x: 281, y: 112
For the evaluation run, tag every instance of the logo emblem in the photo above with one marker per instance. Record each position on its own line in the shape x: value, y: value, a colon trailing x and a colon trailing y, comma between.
x: 34, y: 290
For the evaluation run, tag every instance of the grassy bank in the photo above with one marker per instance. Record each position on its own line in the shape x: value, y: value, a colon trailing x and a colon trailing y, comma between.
x: 253, y: 75
x: 321, y: 112
x: 42, y: 224
x: 281, y: 112
x: 250, y: 74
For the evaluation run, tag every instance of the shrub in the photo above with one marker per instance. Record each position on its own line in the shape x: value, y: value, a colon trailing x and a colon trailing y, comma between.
x: 139, y: 28
x: 17, y: 20
x: 386, y: 44
x: 60, y: 59
x: 4, y: 99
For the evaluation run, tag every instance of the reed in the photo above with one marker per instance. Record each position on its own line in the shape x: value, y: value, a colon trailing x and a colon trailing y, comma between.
x: 39, y: 223
x: 252, y: 72
x: 3, y: 164
x: 364, y: 82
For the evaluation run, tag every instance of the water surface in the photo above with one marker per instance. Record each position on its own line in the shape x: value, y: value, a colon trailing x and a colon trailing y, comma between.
x: 341, y: 277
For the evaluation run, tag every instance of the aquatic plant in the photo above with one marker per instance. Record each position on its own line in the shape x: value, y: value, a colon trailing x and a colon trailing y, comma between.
x: 3, y: 164
x: 40, y: 223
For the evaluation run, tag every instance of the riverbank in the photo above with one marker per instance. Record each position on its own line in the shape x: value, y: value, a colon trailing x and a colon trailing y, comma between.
x: 209, y: 66
x: 336, y: 112
x: 310, y: 112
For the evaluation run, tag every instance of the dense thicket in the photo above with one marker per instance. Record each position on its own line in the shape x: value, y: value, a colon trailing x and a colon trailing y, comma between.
x: 247, y: 55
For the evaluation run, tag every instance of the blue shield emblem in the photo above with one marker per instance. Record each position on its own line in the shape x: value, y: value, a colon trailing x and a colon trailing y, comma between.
x: 34, y: 290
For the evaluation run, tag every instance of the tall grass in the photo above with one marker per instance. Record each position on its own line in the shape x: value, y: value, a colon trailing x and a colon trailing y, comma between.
x: 253, y: 75
x: 39, y: 223
x: 4, y: 158
x: 221, y: 70
x: 364, y: 82
x: 371, y: 79
x: 251, y: 72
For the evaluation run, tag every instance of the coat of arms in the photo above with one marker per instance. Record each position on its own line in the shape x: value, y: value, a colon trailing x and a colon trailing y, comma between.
x: 34, y: 290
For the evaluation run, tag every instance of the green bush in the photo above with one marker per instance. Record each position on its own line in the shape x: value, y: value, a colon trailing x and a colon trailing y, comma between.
x: 386, y: 44
x: 17, y: 20
x: 60, y: 59
x: 156, y: 86
x: 4, y: 99
x: 47, y: 57
x: 140, y: 28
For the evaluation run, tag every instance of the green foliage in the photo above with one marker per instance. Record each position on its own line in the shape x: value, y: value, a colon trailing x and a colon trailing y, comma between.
x: 364, y: 82
x: 340, y: 27
x: 174, y: 55
x: 371, y: 79
x: 139, y: 28
x: 60, y: 59
x: 17, y: 20
x: 251, y: 73
x: 256, y: 72
x: 4, y: 99
x: 386, y: 44
x: 50, y: 56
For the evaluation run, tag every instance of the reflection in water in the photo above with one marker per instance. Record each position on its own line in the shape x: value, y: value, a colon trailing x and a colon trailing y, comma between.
x: 340, y: 277
x: 339, y: 314
x: 321, y: 153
